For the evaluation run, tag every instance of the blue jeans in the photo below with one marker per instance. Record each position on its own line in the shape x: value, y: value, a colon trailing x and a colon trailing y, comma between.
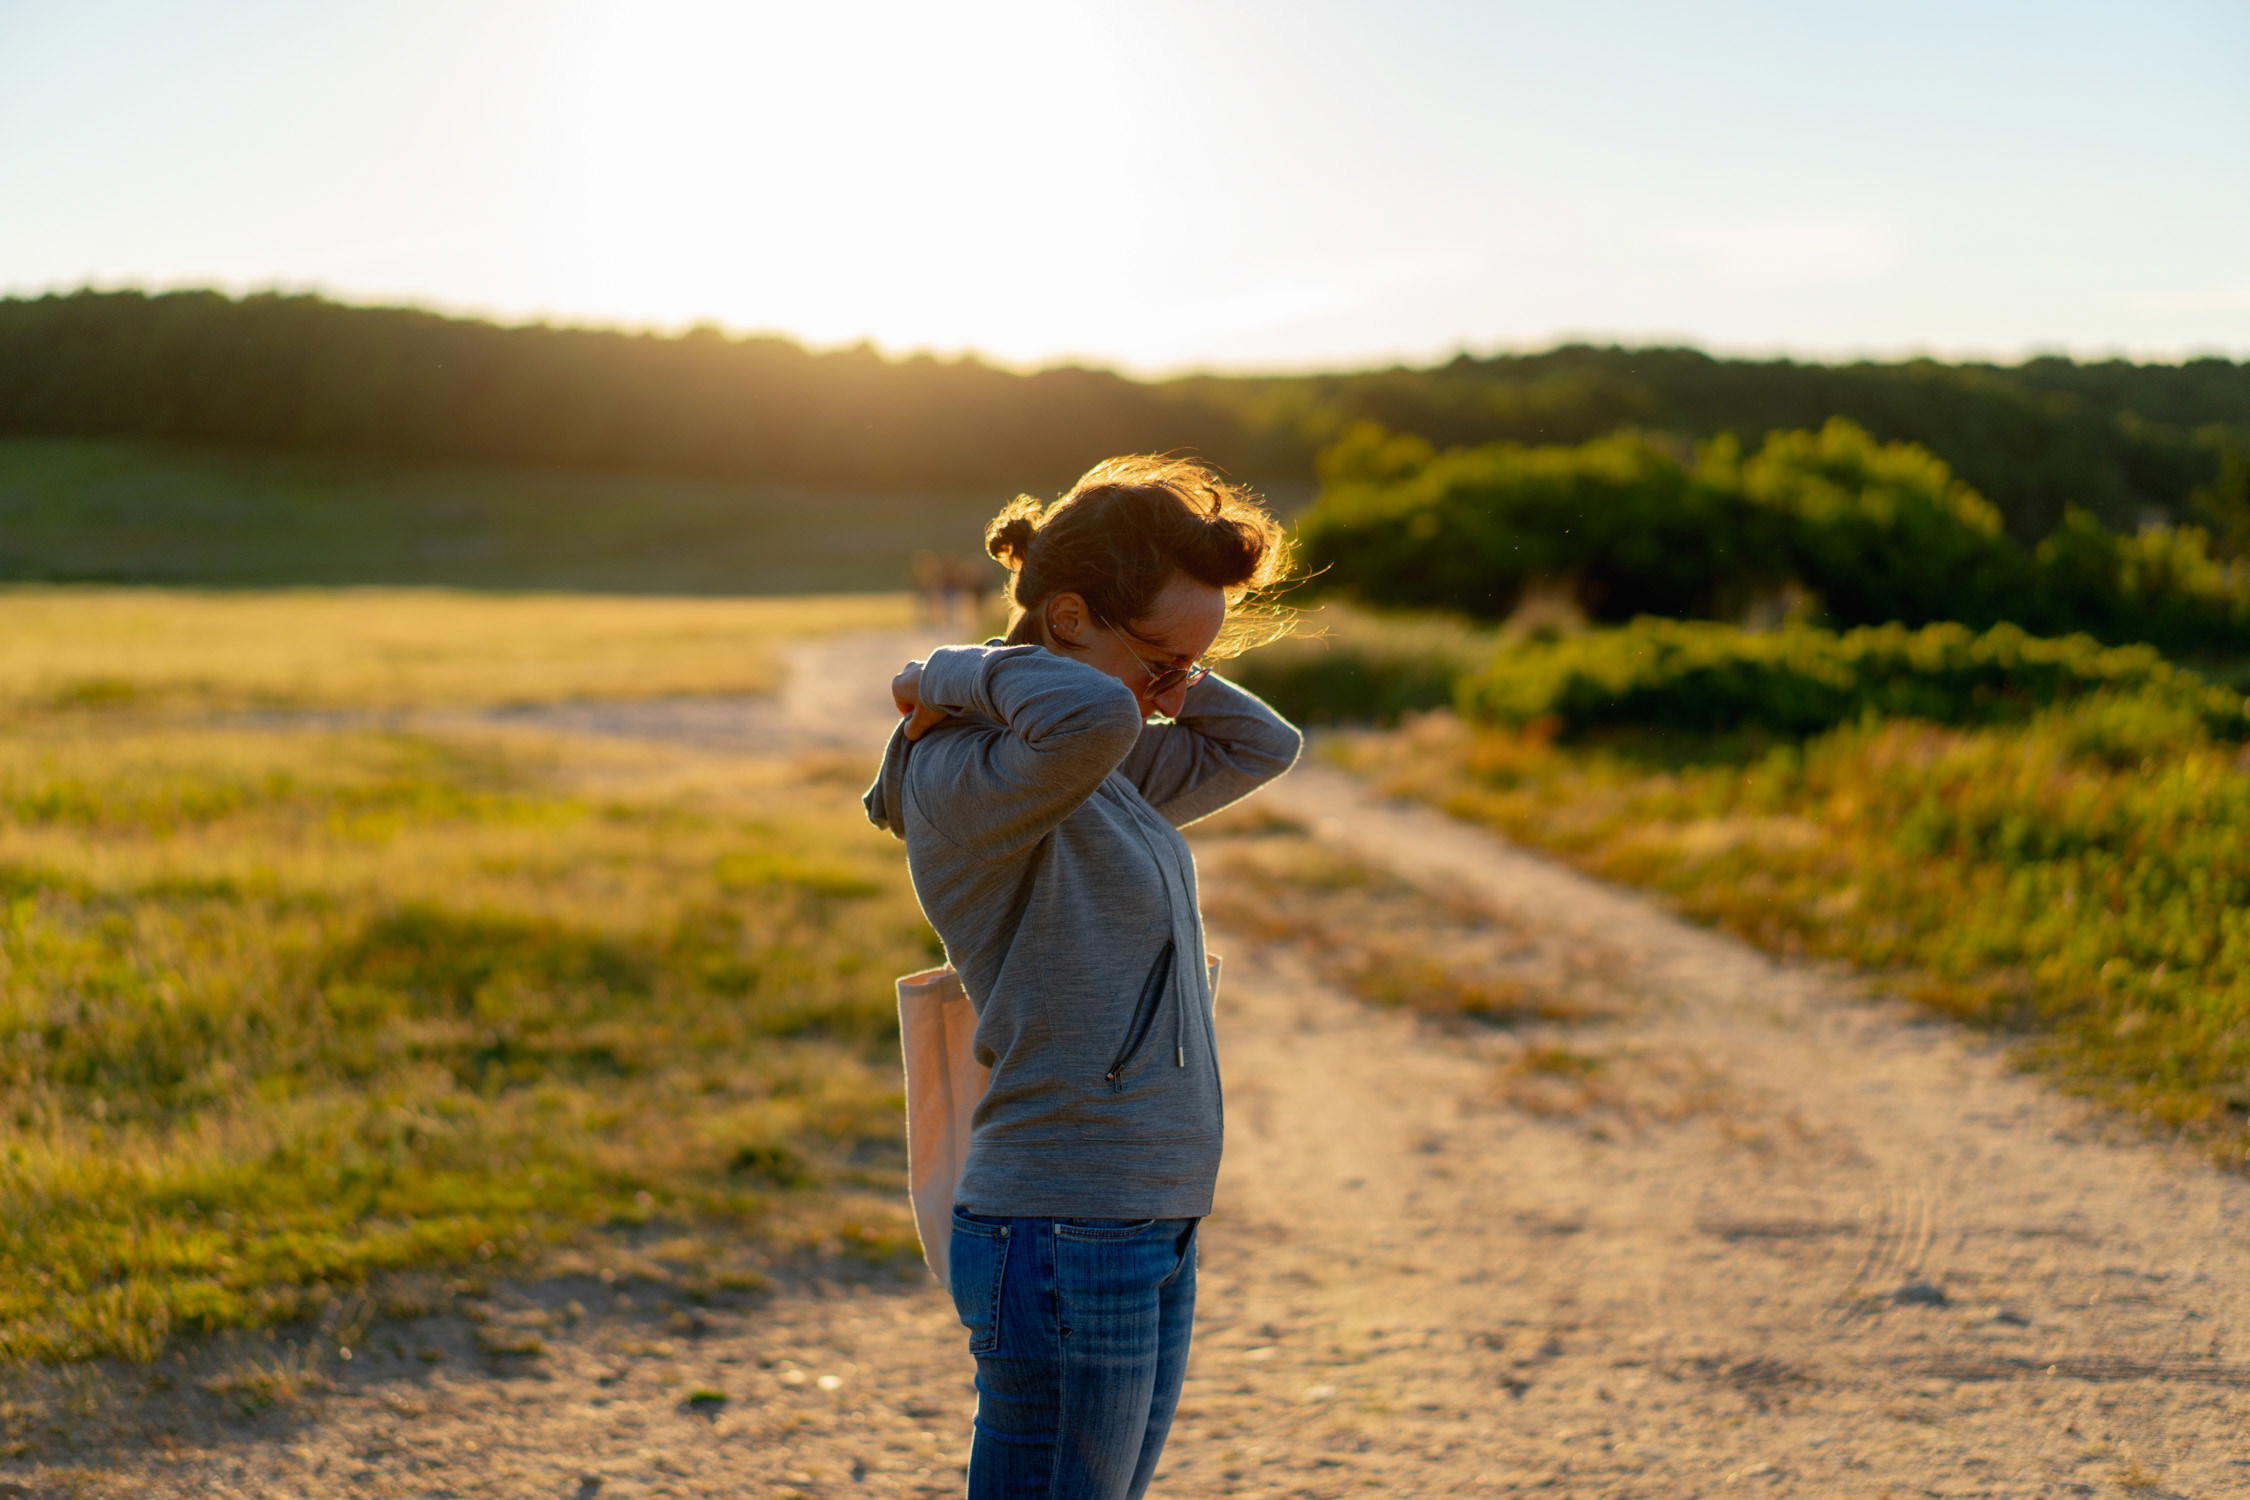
x: 1080, y: 1332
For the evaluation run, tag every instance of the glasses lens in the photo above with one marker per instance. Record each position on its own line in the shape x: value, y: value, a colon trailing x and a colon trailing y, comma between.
x: 1172, y: 677
x: 1160, y: 683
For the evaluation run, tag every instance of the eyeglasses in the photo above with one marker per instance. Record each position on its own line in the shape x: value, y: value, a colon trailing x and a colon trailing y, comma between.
x: 1162, y: 680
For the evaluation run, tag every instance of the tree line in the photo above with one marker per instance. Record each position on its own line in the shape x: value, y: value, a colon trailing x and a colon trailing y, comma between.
x: 2124, y: 442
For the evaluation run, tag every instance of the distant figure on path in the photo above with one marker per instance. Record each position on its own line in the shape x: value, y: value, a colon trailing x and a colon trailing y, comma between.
x: 977, y: 580
x: 933, y: 587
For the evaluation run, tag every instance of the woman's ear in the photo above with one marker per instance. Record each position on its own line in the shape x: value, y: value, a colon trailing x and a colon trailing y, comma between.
x: 1066, y: 616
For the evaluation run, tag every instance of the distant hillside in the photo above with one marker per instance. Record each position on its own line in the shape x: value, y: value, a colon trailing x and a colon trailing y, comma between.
x: 134, y: 511
x: 300, y: 373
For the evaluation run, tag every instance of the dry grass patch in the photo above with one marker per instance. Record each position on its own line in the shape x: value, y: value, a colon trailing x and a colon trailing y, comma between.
x: 1389, y: 941
x: 2091, y: 906
x: 1634, y: 1089
x: 255, y: 1381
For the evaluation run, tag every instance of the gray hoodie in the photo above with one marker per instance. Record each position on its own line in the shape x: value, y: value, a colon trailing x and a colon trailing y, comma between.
x: 1042, y: 835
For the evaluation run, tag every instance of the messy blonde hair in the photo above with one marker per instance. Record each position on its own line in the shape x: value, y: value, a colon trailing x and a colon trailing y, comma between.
x: 1119, y: 534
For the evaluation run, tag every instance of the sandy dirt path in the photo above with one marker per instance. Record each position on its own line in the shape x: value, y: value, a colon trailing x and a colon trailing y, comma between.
x: 1802, y: 1241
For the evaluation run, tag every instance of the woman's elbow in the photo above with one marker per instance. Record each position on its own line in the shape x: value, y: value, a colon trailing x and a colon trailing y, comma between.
x: 1102, y: 732
x: 1288, y: 747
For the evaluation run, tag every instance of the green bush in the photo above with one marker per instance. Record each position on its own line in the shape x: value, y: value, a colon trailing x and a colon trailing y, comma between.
x: 2161, y: 585
x: 1707, y: 677
x: 1882, y: 531
x: 1401, y: 525
x: 1641, y: 524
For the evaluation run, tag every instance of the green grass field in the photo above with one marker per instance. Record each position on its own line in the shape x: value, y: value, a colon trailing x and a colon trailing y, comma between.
x: 286, y: 1009
x: 117, y: 511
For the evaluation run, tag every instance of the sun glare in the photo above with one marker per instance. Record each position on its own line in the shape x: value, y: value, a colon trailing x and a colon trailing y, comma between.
x: 948, y: 177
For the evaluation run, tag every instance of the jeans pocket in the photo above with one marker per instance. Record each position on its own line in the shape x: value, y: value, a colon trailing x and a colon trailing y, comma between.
x: 977, y: 1259
x: 1103, y: 1229
x: 1189, y: 1252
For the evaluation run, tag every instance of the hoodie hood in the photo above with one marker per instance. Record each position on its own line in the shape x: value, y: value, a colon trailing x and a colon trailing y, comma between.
x: 885, y: 798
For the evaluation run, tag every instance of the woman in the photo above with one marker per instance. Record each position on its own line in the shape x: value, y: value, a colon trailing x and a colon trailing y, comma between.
x: 1041, y: 810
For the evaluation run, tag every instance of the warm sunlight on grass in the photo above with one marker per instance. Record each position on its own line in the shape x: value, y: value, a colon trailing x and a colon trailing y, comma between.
x: 282, y: 1011
x: 287, y: 1010
x: 2068, y: 881
x: 68, y: 647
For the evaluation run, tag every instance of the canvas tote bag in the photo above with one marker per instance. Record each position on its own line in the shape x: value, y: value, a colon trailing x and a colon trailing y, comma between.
x: 944, y: 1081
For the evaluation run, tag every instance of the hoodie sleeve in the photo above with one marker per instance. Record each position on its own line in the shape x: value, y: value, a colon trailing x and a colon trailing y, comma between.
x: 1225, y: 744
x: 1065, y: 727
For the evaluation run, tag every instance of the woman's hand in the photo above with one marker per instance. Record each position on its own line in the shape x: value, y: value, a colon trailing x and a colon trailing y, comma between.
x: 906, y: 691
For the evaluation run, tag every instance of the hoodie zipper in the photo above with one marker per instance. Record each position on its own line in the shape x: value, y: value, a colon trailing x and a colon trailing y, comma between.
x: 1165, y: 871
x: 1144, y: 1013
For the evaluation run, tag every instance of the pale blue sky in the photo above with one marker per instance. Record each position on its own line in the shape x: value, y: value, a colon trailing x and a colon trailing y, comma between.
x: 1169, y: 184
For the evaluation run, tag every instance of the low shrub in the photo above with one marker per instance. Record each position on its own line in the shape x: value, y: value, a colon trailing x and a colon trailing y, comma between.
x: 1707, y: 677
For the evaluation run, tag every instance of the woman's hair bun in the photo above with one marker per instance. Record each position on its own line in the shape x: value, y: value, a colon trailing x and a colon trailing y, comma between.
x: 1007, y: 536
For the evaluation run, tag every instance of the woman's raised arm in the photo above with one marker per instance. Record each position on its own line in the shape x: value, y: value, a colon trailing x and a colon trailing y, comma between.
x: 1052, y: 730
x: 1225, y: 743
